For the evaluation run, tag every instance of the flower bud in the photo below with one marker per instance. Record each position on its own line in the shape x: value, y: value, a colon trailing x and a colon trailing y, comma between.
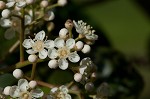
x: 6, y: 90
x: 69, y: 24
x: 63, y: 33
x: 86, y: 49
x: 79, y: 45
x: 89, y: 86
x: 44, y: 3
x: 62, y: 2
x: 18, y: 73
x: 5, y: 13
x: 29, y: 1
x: 50, y: 26
x: 77, y: 77
x: 2, y: 5
x: 32, y: 58
x: 32, y: 84
x: 49, y: 16
x: 53, y: 64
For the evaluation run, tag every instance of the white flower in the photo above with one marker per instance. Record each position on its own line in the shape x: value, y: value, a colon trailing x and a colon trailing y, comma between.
x: 62, y: 2
x: 18, y: 3
x: 59, y: 93
x: 6, y: 13
x: 63, y: 52
x: 23, y: 91
x: 38, y: 45
x: 85, y: 30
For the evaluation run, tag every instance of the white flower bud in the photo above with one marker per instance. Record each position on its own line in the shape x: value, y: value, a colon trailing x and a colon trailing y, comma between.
x: 5, y: 13
x: 32, y: 84
x: 77, y: 77
x: 86, y: 49
x: 79, y: 45
x: 93, y: 75
x: 29, y: 1
x: 6, y: 90
x: 44, y: 3
x: 2, y: 5
x: 62, y: 2
x: 18, y: 73
x: 17, y: 8
x: 53, y: 64
x: 32, y: 58
x: 63, y: 33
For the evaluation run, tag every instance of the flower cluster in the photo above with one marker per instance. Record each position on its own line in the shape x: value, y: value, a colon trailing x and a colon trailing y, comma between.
x: 25, y: 17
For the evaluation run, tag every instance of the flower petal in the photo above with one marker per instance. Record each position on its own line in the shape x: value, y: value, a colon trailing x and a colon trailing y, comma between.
x: 53, y: 90
x: 63, y: 89
x: 91, y: 36
x: 27, y: 43
x: 14, y: 91
x: 43, y: 54
x: 63, y: 64
x: 21, y: 3
x: 82, y: 69
x: 10, y: 4
x: 40, y: 35
x: 59, y: 42
x: 49, y: 44
x: 31, y: 51
x: 74, y: 57
x: 23, y: 85
x: 52, y: 53
x: 37, y: 93
x: 5, y: 22
x: 28, y: 19
x: 67, y: 96
x: 70, y: 43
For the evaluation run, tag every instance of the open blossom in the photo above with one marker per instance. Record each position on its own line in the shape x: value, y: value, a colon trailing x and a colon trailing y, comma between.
x: 38, y: 45
x: 59, y: 93
x: 84, y: 29
x: 23, y: 91
x: 63, y: 52
x: 18, y: 3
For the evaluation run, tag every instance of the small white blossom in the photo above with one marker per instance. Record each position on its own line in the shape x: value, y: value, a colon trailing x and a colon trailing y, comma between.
x: 53, y: 63
x: 86, y: 49
x: 2, y: 5
x: 79, y: 45
x: 63, y: 52
x: 44, y: 3
x: 18, y: 73
x: 23, y: 91
x: 63, y: 33
x: 32, y: 84
x: 38, y: 45
x: 18, y: 3
x: 32, y: 58
x: 78, y: 77
x: 62, y: 2
x: 6, y: 13
x: 85, y: 30
x: 6, y: 90
x: 59, y: 93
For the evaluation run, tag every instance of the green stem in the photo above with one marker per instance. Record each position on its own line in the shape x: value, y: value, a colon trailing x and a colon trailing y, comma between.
x: 41, y: 83
x: 70, y: 33
x: 52, y: 6
x: 78, y: 93
x: 18, y: 65
x: 22, y: 37
x: 33, y: 70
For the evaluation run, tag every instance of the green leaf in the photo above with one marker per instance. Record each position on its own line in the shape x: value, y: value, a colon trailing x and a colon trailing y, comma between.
x: 7, y: 80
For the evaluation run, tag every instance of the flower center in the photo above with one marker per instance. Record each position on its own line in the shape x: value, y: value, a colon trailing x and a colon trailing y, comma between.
x: 38, y: 46
x: 25, y: 95
x: 60, y: 95
x: 63, y: 52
